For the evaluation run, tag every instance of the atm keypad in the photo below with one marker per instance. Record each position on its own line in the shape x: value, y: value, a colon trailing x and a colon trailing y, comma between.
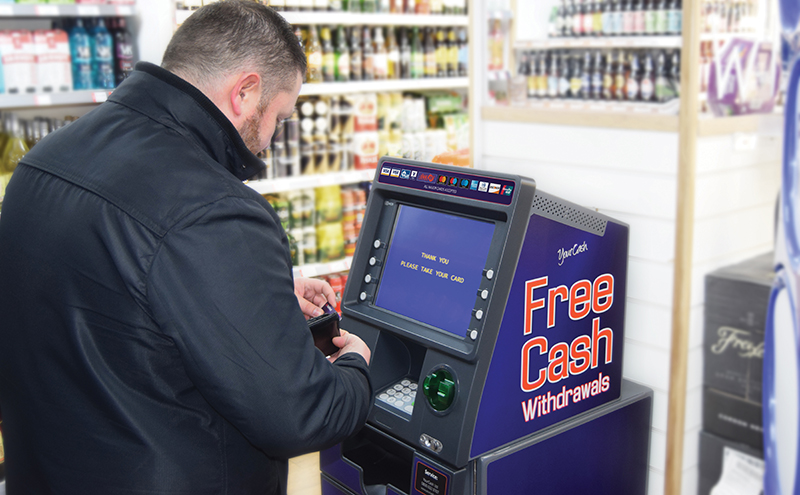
x: 400, y: 396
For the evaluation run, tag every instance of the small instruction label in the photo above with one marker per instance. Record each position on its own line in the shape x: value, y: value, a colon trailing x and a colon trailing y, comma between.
x: 742, y: 474
x: 429, y: 481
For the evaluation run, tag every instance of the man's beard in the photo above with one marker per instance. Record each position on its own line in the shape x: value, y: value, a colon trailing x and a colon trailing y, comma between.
x: 249, y: 130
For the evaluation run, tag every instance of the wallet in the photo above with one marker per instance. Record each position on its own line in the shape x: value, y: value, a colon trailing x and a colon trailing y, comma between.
x: 324, y: 328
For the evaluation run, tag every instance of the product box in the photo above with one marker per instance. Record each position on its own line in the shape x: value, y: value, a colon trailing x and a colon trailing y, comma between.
x: 365, y: 113
x: 365, y: 150
x: 19, y: 56
x: 53, y: 67
x: 729, y: 467
x: 735, y: 315
x: 733, y: 418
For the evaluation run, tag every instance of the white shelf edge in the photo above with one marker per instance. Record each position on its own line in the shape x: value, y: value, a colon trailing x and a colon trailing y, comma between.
x: 358, y: 19
x: 272, y: 186
x: 669, y: 108
x: 28, y: 100
x: 317, y: 89
x: 602, y: 42
x: 64, y: 10
x: 318, y: 269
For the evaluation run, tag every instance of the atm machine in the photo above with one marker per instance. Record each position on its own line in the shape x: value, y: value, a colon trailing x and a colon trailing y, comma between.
x: 495, y: 315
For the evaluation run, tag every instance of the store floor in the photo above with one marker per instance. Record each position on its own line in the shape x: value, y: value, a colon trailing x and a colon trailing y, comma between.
x: 304, y: 475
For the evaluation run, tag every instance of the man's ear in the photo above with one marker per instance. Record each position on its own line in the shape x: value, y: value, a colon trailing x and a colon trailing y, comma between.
x: 245, y: 94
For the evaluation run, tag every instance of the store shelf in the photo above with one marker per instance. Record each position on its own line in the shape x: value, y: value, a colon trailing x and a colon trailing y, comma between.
x: 53, y: 99
x: 315, y: 89
x: 729, y: 36
x: 45, y: 10
x: 601, y: 42
x: 271, y: 186
x: 640, y: 116
x: 318, y: 269
x: 358, y: 19
x: 711, y: 126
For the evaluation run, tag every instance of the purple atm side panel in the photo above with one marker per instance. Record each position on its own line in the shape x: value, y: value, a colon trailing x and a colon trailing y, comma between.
x: 559, y: 348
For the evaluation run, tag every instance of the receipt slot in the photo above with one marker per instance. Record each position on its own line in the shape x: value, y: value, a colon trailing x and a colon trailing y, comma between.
x: 495, y: 316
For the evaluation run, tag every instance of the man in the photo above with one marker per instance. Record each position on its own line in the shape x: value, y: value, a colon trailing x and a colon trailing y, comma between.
x: 151, y: 339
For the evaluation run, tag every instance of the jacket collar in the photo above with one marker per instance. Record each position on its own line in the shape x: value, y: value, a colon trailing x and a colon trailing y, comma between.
x: 155, y: 91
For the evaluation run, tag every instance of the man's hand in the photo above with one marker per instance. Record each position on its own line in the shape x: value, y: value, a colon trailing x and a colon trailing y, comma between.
x: 348, y: 342
x: 312, y: 294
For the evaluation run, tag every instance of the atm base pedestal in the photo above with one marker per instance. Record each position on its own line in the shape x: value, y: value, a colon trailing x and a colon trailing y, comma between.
x: 605, y: 450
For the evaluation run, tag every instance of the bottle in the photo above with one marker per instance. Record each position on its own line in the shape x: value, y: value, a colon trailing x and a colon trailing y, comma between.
x: 619, y: 77
x: 674, y: 17
x: 608, y: 78
x: 352, y: 5
x: 662, y: 89
x: 675, y: 73
x: 341, y: 56
x: 405, y: 54
x: 627, y: 17
x: 430, y: 53
x: 638, y: 17
x: 577, y: 18
x: 597, y: 76
x: 437, y: 7
x: 301, y: 36
x: 380, y: 59
x: 618, y: 18
x: 103, y: 56
x: 554, y: 22
x: 606, y: 19
x: 313, y: 57
x: 541, y: 75
x: 422, y: 7
x: 356, y: 55
x: 566, y: 21
x: 586, y: 80
x: 588, y: 18
x: 368, y: 6
x: 81, y: 51
x: 368, y: 65
x: 392, y: 54
x: 633, y: 79
x: 417, y: 55
x: 648, y: 81
x: 532, y: 72
x: 553, y: 76
x: 598, y: 12
x: 123, y: 51
x: 441, y: 53
x: 565, y: 79
x: 662, y: 18
x: 576, y: 77
x: 328, y: 57
x: 518, y: 85
x: 463, y: 53
x: 452, y: 53
x: 13, y: 150
x: 650, y: 14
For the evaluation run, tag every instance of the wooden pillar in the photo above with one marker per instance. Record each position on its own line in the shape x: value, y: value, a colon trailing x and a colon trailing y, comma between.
x: 684, y: 234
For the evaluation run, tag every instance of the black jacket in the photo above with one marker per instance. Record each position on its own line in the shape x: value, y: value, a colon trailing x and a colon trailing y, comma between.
x: 150, y: 339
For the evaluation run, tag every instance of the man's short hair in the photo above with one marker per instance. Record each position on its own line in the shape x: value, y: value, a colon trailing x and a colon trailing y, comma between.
x: 230, y: 36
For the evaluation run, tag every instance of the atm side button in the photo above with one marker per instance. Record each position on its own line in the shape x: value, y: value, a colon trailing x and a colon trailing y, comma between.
x: 473, y: 335
x: 374, y: 261
x: 479, y: 314
x: 489, y: 274
x: 484, y: 294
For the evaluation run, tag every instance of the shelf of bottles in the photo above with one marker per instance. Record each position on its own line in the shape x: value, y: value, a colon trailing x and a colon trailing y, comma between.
x: 443, y: 83
x: 65, y: 10
x: 377, y: 19
x: 285, y: 184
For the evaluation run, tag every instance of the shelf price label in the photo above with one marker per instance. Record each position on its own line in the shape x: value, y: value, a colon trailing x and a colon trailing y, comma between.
x: 124, y: 10
x: 99, y: 96
x: 88, y: 10
x: 47, y: 10
x: 42, y: 100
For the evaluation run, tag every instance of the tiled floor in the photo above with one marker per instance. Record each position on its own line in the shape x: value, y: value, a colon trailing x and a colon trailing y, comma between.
x: 304, y: 475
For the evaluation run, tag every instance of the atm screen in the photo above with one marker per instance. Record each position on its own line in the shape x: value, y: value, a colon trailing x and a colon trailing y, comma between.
x: 433, y: 267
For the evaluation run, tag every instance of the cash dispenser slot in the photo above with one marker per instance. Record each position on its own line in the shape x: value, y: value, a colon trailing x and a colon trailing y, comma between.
x: 380, y: 460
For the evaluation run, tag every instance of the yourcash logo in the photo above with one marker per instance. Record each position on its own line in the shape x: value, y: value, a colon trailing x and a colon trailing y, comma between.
x: 563, y: 253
